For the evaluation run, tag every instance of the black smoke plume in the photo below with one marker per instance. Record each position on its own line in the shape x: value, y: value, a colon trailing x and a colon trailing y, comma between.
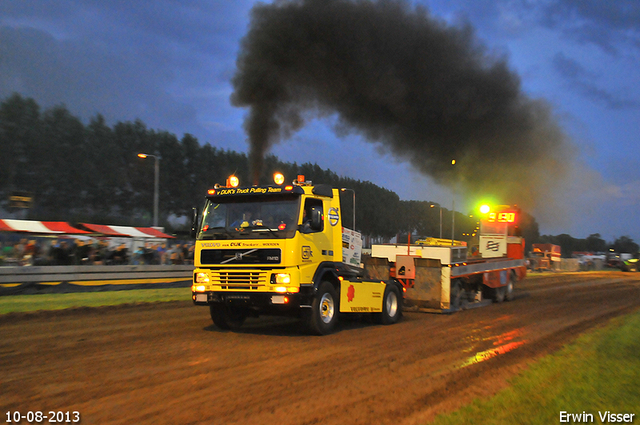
x: 425, y: 91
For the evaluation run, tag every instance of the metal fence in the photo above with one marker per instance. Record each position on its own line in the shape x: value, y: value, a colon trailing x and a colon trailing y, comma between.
x: 59, y: 279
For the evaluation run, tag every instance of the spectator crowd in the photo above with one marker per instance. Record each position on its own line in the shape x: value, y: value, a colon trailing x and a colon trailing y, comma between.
x: 69, y: 252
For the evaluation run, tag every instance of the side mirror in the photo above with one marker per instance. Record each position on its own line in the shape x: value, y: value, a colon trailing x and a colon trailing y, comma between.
x: 317, y: 219
x: 194, y: 222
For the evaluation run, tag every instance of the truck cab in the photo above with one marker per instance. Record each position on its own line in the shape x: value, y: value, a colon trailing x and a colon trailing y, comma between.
x: 276, y: 249
x: 545, y: 256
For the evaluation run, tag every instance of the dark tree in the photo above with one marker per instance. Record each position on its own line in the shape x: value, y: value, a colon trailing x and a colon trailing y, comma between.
x: 594, y: 243
x: 624, y: 244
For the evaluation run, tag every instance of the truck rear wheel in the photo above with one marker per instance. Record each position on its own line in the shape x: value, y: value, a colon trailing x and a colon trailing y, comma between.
x: 499, y: 294
x: 226, y: 317
x: 391, y: 306
x: 508, y: 296
x: 324, y: 310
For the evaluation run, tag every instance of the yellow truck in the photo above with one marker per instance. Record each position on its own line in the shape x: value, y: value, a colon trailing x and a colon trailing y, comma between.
x: 281, y: 249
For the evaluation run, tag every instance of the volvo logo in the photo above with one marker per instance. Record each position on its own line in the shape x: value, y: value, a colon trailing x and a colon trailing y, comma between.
x: 238, y: 256
x: 333, y: 216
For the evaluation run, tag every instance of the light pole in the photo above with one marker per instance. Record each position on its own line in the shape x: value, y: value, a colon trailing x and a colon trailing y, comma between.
x: 344, y: 189
x: 439, y: 206
x: 453, y: 207
x: 156, y: 188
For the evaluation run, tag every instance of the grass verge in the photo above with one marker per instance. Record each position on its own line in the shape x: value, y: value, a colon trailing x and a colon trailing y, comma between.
x: 599, y: 372
x: 25, y: 303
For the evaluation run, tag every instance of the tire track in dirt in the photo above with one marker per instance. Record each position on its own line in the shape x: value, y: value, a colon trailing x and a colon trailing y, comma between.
x: 165, y: 363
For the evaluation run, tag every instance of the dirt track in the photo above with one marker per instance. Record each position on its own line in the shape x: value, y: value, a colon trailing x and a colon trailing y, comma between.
x: 166, y: 363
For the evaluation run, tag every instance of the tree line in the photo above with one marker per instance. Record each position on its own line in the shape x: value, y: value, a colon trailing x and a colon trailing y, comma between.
x: 77, y: 172
x: 91, y: 173
x: 593, y: 243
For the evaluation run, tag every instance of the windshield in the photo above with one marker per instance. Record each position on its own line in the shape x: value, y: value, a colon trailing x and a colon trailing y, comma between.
x: 244, y: 218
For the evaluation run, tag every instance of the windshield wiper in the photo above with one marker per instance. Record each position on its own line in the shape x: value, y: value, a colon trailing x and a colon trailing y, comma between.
x: 271, y: 231
x: 248, y: 230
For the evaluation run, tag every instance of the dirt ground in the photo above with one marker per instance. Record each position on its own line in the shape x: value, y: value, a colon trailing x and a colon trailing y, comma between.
x: 167, y: 364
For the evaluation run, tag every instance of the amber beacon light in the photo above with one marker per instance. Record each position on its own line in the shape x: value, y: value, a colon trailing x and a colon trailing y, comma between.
x: 233, y: 181
x: 278, y: 178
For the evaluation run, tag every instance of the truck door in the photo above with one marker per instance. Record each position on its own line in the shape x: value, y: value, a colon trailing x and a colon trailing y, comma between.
x: 315, y: 244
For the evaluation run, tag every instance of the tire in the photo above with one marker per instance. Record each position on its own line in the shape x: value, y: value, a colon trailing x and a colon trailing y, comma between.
x: 226, y: 317
x: 391, y: 306
x: 508, y: 296
x: 455, y: 295
x: 324, y: 310
x: 499, y: 294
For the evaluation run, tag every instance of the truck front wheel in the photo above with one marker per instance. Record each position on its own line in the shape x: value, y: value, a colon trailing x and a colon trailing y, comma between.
x: 324, y: 310
x: 226, y: 317
x: 391, y: 306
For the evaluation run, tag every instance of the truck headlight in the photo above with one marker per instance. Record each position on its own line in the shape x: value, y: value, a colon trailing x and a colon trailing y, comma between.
x: 281, y: 278
x: 202, y: 278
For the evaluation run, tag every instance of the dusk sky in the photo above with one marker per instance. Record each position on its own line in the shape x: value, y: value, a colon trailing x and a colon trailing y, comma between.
x: 171, y: 65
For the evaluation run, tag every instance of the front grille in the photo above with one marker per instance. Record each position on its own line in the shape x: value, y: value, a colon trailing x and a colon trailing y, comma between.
x: 240, y: 279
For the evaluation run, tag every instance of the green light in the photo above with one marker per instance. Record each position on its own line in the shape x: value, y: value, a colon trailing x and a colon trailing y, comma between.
x: 484, y: 209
